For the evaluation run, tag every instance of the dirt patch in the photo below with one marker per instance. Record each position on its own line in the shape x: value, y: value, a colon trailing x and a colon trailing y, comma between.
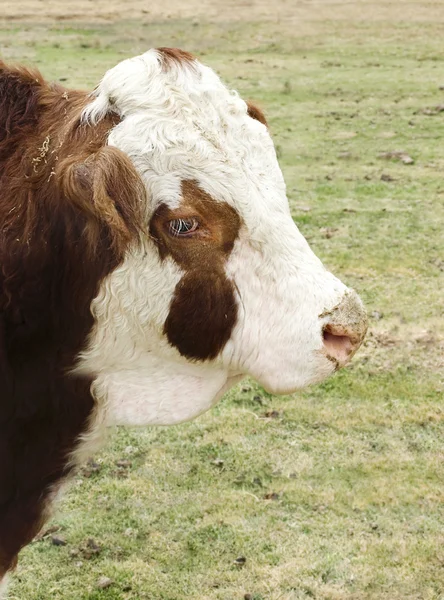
x: 285, y: 11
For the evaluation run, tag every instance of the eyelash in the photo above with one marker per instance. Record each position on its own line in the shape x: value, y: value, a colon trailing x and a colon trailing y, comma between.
x: 183, y: 227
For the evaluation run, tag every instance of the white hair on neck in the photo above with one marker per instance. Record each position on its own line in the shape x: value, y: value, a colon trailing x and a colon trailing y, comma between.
x: 3, y: 587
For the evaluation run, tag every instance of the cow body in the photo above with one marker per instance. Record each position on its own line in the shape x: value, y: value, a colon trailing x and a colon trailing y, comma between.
x: 148, y: 261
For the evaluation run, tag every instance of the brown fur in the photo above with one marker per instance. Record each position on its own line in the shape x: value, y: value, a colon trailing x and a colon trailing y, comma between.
x: 256, y: 113
x: 175, y: 55
x: 68, y: 208
x: 203, y: 311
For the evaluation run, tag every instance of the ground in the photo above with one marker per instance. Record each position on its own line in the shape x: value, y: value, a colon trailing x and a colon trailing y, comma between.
x: 337, y: 492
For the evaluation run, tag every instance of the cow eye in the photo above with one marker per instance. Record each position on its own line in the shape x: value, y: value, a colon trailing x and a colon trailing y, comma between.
x: 183, y: 227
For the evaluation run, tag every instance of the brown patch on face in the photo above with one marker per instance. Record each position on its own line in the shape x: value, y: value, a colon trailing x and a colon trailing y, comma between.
x: 68, y: 209
x: 203, y: 311
x: 202, y: 314
x: 255, y: 113
x: 175, y: 55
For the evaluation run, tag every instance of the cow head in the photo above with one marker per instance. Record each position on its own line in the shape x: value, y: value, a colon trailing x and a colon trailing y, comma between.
x: 221, y: 283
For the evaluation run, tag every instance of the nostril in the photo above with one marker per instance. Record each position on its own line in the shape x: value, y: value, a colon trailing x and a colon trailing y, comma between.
x: 337, y: 345
x: 344, y: 328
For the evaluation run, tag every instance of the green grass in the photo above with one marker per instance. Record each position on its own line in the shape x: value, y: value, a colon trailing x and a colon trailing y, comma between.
x: 337, y: 492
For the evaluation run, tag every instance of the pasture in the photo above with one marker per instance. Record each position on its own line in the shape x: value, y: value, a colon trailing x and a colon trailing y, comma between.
x: 337, y: 492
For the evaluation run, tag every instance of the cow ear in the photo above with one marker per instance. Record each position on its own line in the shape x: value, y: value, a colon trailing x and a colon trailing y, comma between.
x: 256, y: 113
x: 20, y: 91
x: 106, y: 188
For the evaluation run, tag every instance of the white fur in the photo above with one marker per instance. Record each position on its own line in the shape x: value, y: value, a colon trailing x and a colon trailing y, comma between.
x: 182, y: 123
x: 3, y: 587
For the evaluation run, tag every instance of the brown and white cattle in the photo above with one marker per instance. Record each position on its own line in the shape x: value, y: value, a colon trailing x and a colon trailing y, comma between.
x: 148, y: 261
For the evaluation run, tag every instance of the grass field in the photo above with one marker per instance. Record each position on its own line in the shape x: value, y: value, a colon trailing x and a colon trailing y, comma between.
x: 337, y: 492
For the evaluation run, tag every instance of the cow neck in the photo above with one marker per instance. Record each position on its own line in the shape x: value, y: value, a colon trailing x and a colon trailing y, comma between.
x: 53, y: 255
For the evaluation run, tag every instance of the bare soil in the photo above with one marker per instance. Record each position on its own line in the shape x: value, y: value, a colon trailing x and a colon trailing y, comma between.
x: 296, y: 12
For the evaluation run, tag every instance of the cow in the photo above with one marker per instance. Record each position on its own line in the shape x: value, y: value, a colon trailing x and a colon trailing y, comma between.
x: 148, y: 262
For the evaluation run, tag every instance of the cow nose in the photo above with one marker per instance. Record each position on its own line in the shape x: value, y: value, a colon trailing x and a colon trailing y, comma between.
x: 339, y: 346
x: 344, y: 329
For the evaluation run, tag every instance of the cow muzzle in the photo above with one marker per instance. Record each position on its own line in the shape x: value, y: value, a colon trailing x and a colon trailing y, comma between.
x: 344, y: 328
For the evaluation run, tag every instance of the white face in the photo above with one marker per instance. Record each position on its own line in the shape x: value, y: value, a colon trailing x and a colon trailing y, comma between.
x: 225, y: 285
